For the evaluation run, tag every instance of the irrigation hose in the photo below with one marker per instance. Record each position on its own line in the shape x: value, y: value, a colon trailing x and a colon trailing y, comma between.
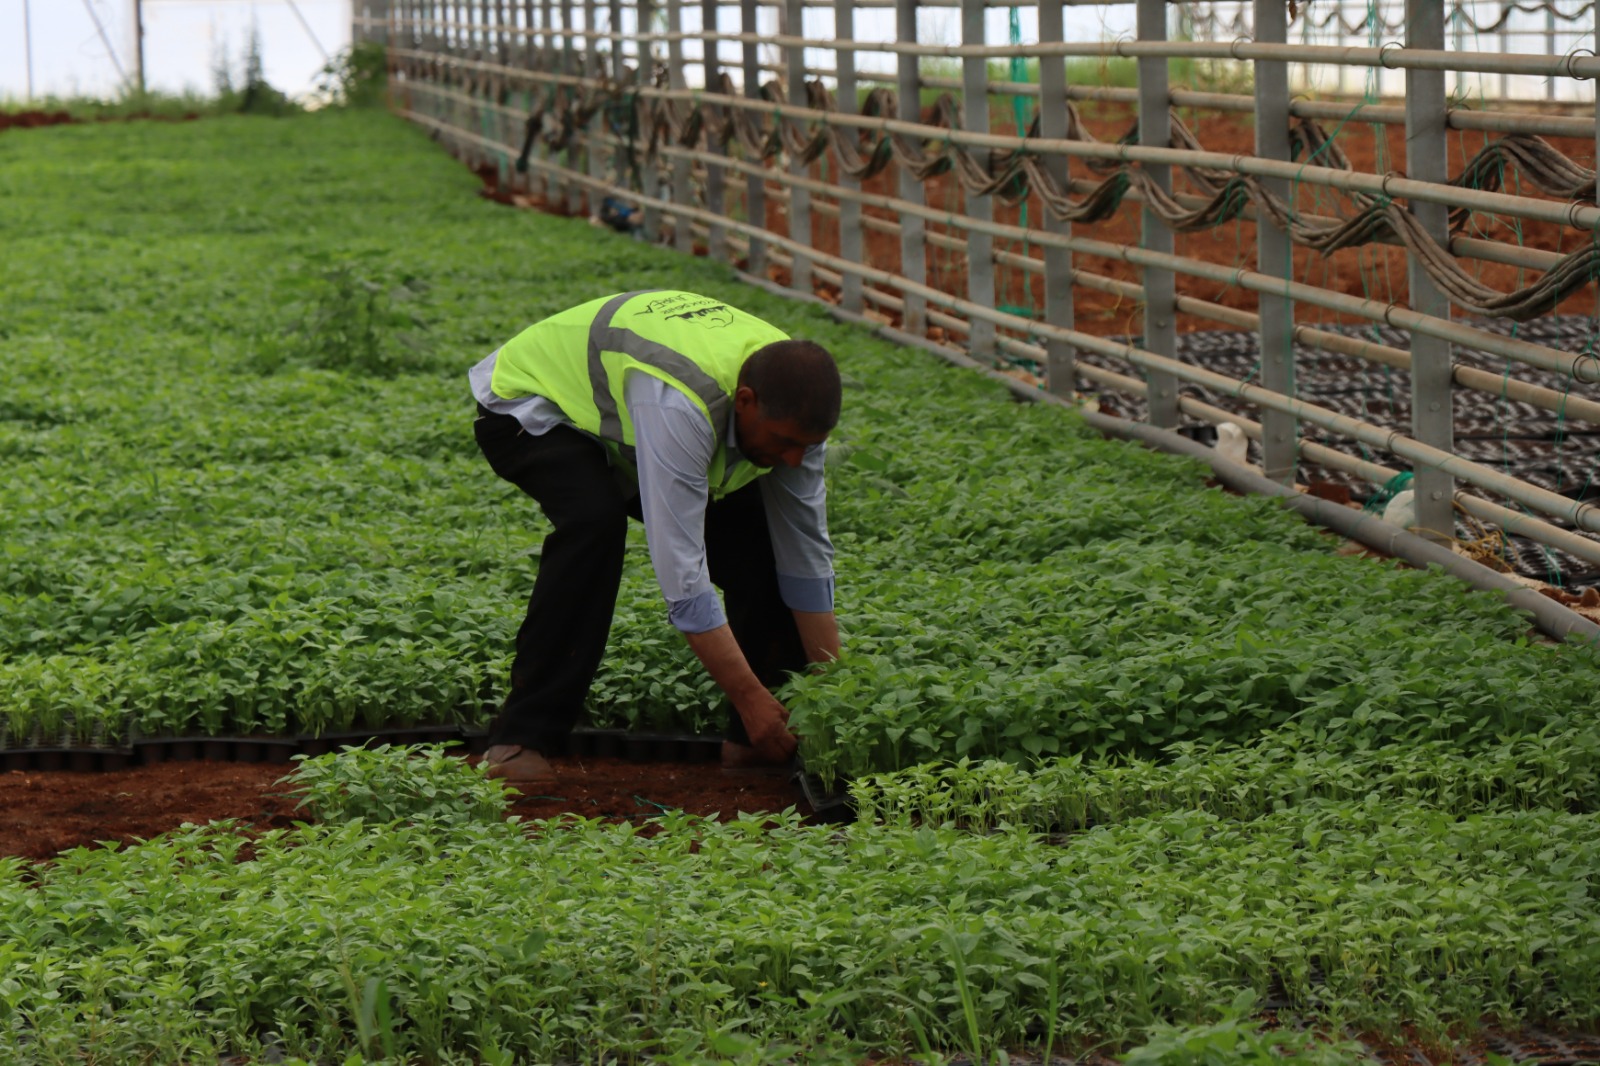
x: 1550, y: 617
x: 1011, y: 174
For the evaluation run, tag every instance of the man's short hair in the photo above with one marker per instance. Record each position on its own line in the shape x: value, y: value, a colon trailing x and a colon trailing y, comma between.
x: 798, y: 380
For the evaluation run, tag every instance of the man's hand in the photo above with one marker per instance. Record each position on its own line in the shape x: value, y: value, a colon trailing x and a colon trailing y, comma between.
x: 764, y: 718
x: 768, y: 728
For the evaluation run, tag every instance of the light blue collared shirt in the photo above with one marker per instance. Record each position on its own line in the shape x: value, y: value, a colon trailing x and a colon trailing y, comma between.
x: 674, y: 446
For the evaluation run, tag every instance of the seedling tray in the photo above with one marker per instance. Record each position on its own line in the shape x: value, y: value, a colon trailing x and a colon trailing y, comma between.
x: 607, y: 743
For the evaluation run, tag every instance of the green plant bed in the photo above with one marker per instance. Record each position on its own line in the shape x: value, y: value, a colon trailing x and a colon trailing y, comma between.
x: 243, y: 497
x: 414, y: 924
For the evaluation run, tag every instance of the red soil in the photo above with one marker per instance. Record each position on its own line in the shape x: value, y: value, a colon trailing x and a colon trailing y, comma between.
x: 1375, y: 272
x: 45, y: 812
x: 26, y: 120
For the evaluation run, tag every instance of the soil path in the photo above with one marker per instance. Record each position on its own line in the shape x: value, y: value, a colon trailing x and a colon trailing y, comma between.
x: 43, y: 813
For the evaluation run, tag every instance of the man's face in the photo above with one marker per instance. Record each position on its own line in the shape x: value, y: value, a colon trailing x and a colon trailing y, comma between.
x: 768, y: 441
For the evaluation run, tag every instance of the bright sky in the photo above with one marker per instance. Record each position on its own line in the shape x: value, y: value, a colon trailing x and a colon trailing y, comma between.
x: 78, y: 46
x: 184, y: 41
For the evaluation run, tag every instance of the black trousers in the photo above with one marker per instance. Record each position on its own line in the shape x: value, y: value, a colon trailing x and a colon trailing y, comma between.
x: 563, y: 636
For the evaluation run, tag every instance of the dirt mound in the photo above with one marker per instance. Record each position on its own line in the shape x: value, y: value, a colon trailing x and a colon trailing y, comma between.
x: 31, y: 119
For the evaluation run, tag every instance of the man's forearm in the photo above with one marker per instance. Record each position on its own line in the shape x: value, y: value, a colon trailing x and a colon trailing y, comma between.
x: 765, y: 720
x: 819, y: 635
x: 723, y: 659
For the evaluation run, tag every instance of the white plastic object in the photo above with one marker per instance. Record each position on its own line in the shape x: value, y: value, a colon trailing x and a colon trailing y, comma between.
x: 1232, y: 443
x: 1402, y: 510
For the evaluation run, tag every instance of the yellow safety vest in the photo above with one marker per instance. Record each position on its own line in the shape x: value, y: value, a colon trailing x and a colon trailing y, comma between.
x: 578, y: 359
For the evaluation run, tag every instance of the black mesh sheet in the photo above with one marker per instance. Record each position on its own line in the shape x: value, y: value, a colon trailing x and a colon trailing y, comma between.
x: 1522, y: 440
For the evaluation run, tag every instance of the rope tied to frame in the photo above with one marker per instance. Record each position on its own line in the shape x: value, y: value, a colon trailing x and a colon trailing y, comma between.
x: 1013, y: 174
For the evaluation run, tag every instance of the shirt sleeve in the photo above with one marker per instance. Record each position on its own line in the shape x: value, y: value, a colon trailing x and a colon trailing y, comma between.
x: 797, y: 518
x: 673, y: 447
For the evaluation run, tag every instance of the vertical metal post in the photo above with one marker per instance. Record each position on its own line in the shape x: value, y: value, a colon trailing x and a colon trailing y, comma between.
x: 475, y: 15
x: 571, y: 66
x: 755, y: 190
x: 1060, y: 359
x: 1432, y: 416
x: 651, y: 176
x: 530, y: 49
x: 1550, y: 49
x: 1274, y: 254
x: 501, y: 120
x: 550, y: 182
x: 623, y: 117
x: 594, y: 65
x: 138, y: 46
x: 27, y: 42
x: 850, y: 233
x: 682, y: 179
x: 799, y: 199
x: 1155, y: 130
x: 619, y: 50
x: 975, y: 117
x: 716, y: 236
x: 913, y: 243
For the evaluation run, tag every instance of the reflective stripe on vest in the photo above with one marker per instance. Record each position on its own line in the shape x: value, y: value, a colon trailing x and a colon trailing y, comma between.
x: 579, y: 359
x: 603, y: 337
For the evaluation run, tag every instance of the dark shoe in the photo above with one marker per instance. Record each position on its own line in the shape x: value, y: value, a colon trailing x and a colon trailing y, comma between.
x: 516, y: 765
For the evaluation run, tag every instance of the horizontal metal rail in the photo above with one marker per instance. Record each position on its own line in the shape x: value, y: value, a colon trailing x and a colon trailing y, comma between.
x: 1375, y: 474
x: 1386, y: 57
x: 1563, y: 404
x: 1583, y: 368
x: 1580, y: 514
x: 1552, y: 618
x: 1577, y: 216
x: 1391, y: 56
x: 1580, y: 367
x: 1459, y: 118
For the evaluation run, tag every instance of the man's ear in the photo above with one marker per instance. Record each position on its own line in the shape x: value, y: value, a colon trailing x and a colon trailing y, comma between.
x: 744, y: 398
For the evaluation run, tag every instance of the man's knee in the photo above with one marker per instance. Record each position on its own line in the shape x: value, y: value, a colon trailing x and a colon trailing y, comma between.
x: 600, y: 517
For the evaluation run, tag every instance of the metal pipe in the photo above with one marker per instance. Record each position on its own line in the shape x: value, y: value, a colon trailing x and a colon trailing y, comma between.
x: 1583, y: 515
x: 851, y: 244
x: 1388, y: 57
x: 975, y: 109
x: 1155, y: 130
x: 1574, y: 544
x: 799, y: 202
x: 913, y: 247
x: 27, y: 42
x: 1274, y: 249
x: 1458, y: 118
x: 1583, y: 368
x: 755, y: 196
x: 1432, y: 403
x: 1563, y: 404
x: 1552, y: 618
x: 1578, y: 216
x: 1461, y: 247
x: 1577, y: 407
x: 1060, y: 358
